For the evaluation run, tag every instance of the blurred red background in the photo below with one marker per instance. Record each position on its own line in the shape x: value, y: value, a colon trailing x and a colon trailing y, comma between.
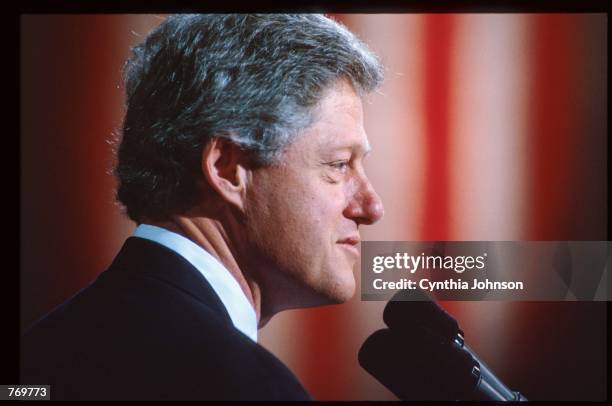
x: 488, y: 127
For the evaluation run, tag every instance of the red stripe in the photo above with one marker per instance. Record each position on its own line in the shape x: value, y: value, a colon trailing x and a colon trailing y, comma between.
x: 327, y: 351
x: 437, y: 66
x: 553, y: 120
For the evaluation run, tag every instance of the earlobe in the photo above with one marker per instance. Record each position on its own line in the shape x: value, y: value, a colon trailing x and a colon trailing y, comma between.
x: 224, y: 166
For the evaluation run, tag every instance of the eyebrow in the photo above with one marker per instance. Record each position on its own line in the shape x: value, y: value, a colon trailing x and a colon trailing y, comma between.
x: 353, y: 147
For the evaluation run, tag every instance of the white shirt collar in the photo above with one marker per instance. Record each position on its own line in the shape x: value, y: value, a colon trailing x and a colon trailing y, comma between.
x: 224, y: 284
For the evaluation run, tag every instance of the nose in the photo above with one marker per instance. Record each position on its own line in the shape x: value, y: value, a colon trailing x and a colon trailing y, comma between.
x: 365, y: 206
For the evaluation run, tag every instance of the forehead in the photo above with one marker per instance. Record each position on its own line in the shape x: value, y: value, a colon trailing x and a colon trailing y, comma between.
x: 338, y: 122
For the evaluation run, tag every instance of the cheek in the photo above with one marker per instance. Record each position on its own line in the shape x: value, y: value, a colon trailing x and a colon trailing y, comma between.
x: 302, y: 209
x: 304, y: 217
x: 321, y: 206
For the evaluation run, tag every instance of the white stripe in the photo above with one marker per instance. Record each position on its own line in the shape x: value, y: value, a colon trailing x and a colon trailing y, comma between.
x: 488, y: 128
x: 488, y: 154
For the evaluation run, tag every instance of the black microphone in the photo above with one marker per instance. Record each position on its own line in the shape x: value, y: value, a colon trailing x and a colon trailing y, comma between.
x: 415, y: 307
x: 422, y: 355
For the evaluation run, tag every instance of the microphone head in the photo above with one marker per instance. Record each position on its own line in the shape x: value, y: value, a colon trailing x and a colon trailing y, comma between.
x: 419, y: 366
x: 410, y: 308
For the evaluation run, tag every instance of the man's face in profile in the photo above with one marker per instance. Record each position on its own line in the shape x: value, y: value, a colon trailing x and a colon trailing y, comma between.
x: 303, y: 213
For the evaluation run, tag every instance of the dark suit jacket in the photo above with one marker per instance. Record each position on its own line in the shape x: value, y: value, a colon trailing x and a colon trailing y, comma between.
x: 150, y: 327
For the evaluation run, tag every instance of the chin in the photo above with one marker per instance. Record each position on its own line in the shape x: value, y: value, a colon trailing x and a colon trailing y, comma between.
x: 342, y: 291
x: 335, y: 285
x: 342, y: 298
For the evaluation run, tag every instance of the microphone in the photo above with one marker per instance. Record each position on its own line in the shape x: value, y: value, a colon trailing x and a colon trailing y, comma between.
x: 423, y: 356
x: 414, y: 307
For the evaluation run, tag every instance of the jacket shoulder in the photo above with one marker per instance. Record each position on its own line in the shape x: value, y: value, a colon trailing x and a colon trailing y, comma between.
x: 134, y: 336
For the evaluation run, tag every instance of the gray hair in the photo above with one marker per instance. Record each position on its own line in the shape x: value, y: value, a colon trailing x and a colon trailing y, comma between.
x: 255, y: 79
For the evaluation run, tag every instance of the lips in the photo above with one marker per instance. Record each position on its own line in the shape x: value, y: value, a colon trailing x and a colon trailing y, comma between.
x: 350, y: 243
x: 352, y: 240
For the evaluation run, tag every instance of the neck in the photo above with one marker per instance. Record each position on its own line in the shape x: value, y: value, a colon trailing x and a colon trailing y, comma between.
x: 210, y: 234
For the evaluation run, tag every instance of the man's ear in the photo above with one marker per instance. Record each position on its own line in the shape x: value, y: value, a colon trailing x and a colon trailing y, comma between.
x: 224, y: 166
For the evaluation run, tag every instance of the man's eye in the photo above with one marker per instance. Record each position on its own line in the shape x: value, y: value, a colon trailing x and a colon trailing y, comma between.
x: 341, y: 166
